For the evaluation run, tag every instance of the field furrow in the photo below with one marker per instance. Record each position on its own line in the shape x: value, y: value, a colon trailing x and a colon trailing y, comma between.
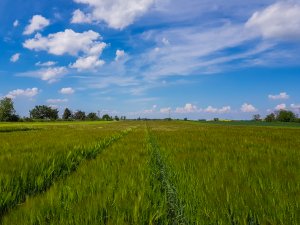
x: 161, y: 173
x: 15, y: 189
x: 113, y: 189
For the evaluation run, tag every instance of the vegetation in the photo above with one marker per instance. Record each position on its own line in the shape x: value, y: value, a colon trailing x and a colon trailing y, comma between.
x: 152, y: 172
x: 44, y: 112
x: 7, y: 111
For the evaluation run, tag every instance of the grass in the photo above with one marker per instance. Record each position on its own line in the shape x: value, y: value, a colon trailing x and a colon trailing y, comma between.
x: 158, y: 173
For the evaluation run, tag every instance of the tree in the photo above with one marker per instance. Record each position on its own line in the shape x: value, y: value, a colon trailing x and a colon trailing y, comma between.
x: 256, y: 117
x: 67, y: 114
x: 270, y: 118
x: 92, y: 116
x: 117, y: 118
x: 106, y: 117
x: 7, y: 111
x: 286, y: 116
x: 43, y: 112
x: 79, y: 115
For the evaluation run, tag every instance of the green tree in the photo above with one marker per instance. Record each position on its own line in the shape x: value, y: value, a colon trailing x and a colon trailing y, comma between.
x: 286, y: 116
x: 256, y: 117
x: 270, y: 118
x: 117, y: 118
x: 79, y: 115
x: 106, y: 117
x: 92, y: 116
x: 7, y: 111
x: 67, y: 114
x: 43, y: 112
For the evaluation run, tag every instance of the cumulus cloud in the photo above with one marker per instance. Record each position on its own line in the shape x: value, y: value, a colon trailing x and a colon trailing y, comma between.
x: 65, y: 42
x: 280, y: 107
x: 14, y: 58
x: 280, y: 21
x: 188, y: 108
x: 295, y: 106
x: 247, y: 108
x: 37, y: 23
x: 46, y: 64
x: 51, y: 74
x: 57, y: 101
x: 117, y: 14
x: 87, y: 63
x: 16, y: 23
x: 80, y: 17
x: 67, y: 91
x: 87, y: 44
x: 224, y: 109
x: 29, y: 92
x: 165, y: 110
x: 120, y: 54
x: 282, y: 95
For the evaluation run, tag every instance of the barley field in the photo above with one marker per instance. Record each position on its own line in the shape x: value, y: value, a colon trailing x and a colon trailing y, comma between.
x: 149, y: 172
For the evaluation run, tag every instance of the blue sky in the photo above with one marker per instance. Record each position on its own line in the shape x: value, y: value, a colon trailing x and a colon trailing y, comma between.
x: 149, y: 58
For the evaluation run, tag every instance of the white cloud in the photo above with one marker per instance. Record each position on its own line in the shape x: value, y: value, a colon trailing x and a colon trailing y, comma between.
x: 282, y: 95
x: 87, y: 63
x: 29, y: 92
x: 46, y: 64
x: 165, y: 41
x: 57, y: 101
x: 165, y: 110
x: 188, y: 108
x: 51, y: 74
x: 66, y: 42
x: 16, y: 23
x: 280, y: 107
x: 224, y: 109
x: 280, y: 21
x: 15, y: 57
x: 117, y: 14
x: 37, y: 23
x: 295, y: 106
x: 247, y: 108
x: 67, y: 91
x: 80, y: 17
x: 120, y: 54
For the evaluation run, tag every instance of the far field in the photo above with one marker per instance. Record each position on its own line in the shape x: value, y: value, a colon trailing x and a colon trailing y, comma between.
x: 153, y: 172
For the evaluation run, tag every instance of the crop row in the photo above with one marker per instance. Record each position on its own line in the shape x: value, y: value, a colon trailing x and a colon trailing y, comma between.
x: 15, y: 189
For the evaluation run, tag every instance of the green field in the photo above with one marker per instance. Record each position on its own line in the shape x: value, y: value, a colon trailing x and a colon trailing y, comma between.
x: 154, y: 172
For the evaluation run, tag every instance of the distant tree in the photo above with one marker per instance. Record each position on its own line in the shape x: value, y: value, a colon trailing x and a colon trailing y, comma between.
x: 117, y: 118
x: 286, y: 116
x: 270, y: 118
x: 67, y: 114
x: 7, y: 111
x: 106, y: 117
x: 43, y: 112
x: 256, y: 117
x: 79, y: 115
x: 92, y: 116
x: 185, y: 119
x: 216, y: 119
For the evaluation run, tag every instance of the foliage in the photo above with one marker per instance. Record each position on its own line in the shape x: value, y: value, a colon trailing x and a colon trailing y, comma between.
x: 256, y: 117
x: 270, y: 118
x: 285, y: 116
x: 106, y: 117
x: 43, y: 112
x: 7, y: 111
x: 67, y: 114
x: 79, y: 115
x: 92, y: 116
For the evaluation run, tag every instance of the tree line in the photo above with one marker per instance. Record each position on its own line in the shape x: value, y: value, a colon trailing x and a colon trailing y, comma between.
x: 278, y: 116
x: 43, y: 112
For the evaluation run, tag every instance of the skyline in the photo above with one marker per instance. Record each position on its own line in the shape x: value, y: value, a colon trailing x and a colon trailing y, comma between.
x: 146, y: 58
